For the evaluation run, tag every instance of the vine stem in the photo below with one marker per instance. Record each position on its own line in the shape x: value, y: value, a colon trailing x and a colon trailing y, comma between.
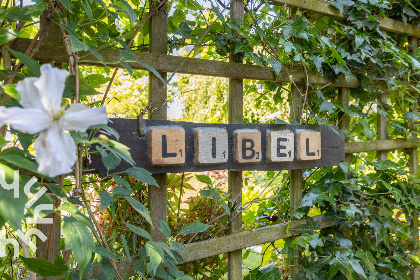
x: 30, y: 51
x: 148, y: 16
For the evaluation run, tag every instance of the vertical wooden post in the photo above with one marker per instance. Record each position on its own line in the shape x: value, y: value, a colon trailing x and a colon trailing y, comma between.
x: 414, y: 169
x: 344, y: 119
x: 296, y: 179
x: 381, y: 130
x: 158, y: 30
x: 236, y: 102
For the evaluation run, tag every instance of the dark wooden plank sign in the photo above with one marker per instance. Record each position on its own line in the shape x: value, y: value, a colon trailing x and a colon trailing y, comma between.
x: 162, y: 146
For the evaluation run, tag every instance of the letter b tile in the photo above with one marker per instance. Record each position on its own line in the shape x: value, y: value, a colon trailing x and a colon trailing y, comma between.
x: 167, y: 145
x: 247, y: 145
x: 308, y: 145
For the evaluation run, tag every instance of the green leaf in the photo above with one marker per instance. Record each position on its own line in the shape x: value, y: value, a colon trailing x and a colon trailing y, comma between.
x: 130, y: 12
x: 29, y: 62
x: 164, y: 228
x: 10, y: 89
x: 204, y: 179
x: 77, y: 45
x: 194, y: 228
x: 18, y: 14
x: 119, y: 190
x: 97, y: 55
x: 156, y: 255
x: 85, y: 88
x: 139, y: 231
x: 111, y: 161
x: 12, y: 196
x: 275, y: 64
x: 108, y: 129
x: 297, y: 29
x: 45, y: 268
x: 179, y: 247
x: 326, y: 106
x: 127, y: 55
x: 7, y: 35
x: 87, y: 9
x: 124, y: 242
x: 309, y: 227
x: 105, y: 252
x: 67, y: 4
x: 411, y: 116
x: 106, y: 200
x: 357, y: 267
x: 78, y: 238
x: 368, y: 260
x: 141, y: 209
x: 142, y: 175
x: 18, y: 160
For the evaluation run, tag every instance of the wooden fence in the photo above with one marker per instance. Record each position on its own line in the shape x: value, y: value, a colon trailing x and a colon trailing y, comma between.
x: 236, y: 71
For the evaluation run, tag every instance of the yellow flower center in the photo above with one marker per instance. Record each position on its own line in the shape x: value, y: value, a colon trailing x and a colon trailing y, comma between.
x: 58, y: 115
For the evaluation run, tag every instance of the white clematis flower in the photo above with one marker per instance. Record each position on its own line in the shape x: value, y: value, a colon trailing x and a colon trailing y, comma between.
x: 42, y: 113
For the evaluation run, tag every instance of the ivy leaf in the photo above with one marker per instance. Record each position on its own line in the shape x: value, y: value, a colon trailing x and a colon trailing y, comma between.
x: 106, y: 200
x: 368, y: 260
x: 297, y: 29
x: 275, y: 64
x: 351, y: 211
x: 195, y: 227
x: 327, y: 106
x: 308, y: 228
x: 341, y: 4
x: 357, y: 267
x: 78, y: 238
x: 411, y: 116
x: 45, y: 268
x: 317, y: 60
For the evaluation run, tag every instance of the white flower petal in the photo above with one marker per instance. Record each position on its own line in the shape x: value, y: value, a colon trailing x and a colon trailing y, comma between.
x: 25, y: 120
x: 51, y: 85
x: 55, y: 151
x: 80, y: 117
x: 29, y: 95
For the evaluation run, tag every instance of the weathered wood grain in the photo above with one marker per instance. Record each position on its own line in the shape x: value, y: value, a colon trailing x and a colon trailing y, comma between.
x: 379, y: 145
x: 185, y: 65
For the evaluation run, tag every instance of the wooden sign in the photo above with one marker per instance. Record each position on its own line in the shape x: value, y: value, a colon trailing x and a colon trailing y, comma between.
x: 162, y: 146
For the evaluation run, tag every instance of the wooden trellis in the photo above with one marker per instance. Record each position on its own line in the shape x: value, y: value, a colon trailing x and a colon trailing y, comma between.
x: 236, y: 72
